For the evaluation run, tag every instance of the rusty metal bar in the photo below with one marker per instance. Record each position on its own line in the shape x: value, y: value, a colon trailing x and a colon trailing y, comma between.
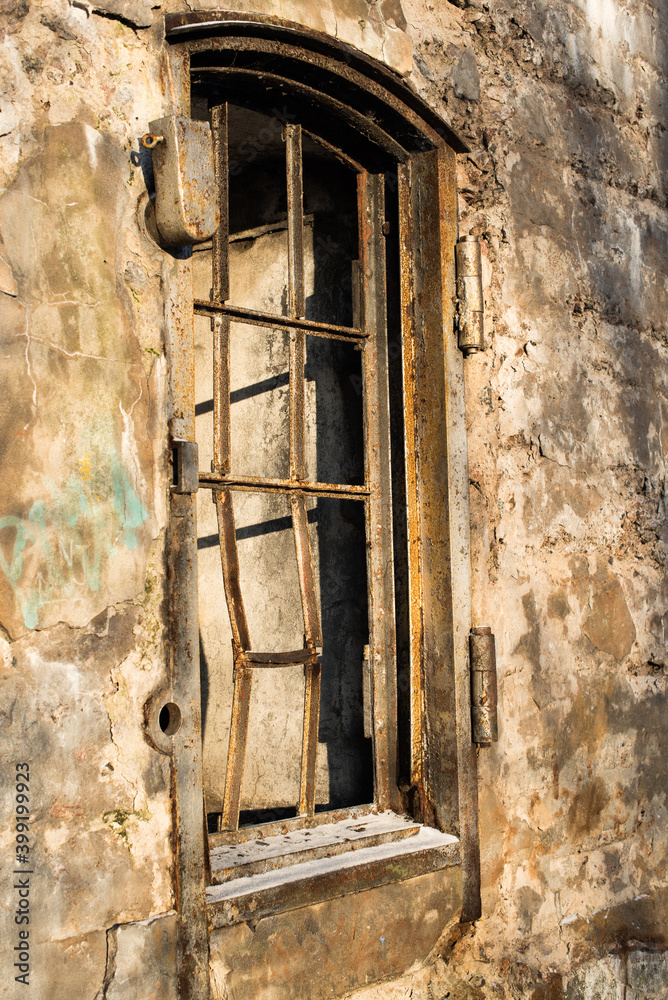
x: 297, y: 309
x: 221, y: 395
x: 297, y: 393
x: 221, y: 463
x: 256, y: 484
x: 220, y: 241
x: 310, y: 738
x: 293, y: 163
x: 220, y: 291
x: 337, y: 153
x: 367, y: 694
x: 408, y: 322
x: 229, y: 556
x: 296, y: 297
x: 242, y: 673
x: 371, y: 214
x: 312, y: 630
x: 236, y: 753
x: 313, y: 642
x: 256, y: 318
x: 291, y: 659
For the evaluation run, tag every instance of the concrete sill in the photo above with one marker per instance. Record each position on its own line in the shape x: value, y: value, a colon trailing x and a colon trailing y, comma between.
x: 333, y: 863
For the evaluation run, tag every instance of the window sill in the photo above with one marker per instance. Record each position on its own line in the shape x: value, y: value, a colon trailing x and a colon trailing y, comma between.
x: 287, y: 871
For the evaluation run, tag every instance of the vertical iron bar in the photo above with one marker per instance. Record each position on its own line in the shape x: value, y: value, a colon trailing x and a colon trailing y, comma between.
x: 297, y: 394
x: 221, y: 394
x: 221, y: 463
x: 312, y: 631
x: 220, y: 293
x: 220, y: 243
x: 371, y: 215
x: 229, y: 556
x: 236, y: 753
x: 310, y: 737
x: 242, y: 673
x: 297, y: 305
x: 408, y: 335
x: 293, y: 159
x: 313, y: 642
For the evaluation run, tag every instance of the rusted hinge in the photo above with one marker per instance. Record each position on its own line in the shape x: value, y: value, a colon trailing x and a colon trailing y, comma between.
x: 484, y: 726
x: 470, y: 302
x: 184, y: 467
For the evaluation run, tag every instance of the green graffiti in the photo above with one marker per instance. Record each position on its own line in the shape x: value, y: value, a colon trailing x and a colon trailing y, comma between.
x: 14, y: 567
x: 129, y: 507
x: 64, y: 544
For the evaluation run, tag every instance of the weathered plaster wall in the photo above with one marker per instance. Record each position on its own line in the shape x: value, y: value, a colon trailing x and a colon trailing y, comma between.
x: 82, y: 497
x: 563, y: 104
x: 564, y: 107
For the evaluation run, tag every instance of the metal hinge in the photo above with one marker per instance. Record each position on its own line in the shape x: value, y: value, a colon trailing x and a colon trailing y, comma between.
x: 484, y: 725
x: 470, y: 302
x: 185, y: 467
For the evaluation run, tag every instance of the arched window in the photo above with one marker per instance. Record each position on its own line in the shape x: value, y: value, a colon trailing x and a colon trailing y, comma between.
x: 320, y: 549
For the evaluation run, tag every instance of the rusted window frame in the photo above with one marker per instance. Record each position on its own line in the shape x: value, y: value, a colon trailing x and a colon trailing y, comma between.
x: 443, y: 765
x: 374, y: 494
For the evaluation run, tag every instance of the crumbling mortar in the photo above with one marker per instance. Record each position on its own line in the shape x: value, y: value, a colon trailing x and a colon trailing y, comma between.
x: 110, y: 968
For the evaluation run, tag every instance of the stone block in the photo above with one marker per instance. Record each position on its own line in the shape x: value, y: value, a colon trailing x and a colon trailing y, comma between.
x: 334, y: 947
x: 142, y: 960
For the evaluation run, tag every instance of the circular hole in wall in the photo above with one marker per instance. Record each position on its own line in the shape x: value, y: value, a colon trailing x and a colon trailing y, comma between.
x: 169, y: 719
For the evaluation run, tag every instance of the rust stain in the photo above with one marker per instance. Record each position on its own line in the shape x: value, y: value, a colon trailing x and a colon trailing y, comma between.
x: 586, y: 807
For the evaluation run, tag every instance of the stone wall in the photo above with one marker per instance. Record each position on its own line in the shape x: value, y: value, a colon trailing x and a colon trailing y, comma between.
x: 563, y: 106
x: 82, y: 496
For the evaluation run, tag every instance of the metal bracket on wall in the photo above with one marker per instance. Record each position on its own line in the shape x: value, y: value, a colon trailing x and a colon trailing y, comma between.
x: 186, y: 210
x: 484, y: 726
x: 185, y: 467
x: 470, y: 302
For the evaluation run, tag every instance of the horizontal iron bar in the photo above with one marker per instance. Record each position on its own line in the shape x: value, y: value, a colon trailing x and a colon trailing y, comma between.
x: 256, y: 318
x: 249, y: 658
x: 253, y: 483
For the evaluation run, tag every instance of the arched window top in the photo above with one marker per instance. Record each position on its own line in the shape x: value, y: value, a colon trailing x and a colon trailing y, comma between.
x: 370, y: 113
